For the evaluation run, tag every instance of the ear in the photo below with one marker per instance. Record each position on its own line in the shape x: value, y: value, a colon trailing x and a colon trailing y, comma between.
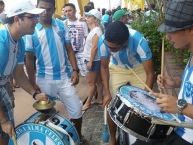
x: 16, y: 18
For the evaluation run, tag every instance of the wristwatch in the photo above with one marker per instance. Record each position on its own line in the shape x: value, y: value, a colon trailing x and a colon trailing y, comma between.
x: 181, y: 104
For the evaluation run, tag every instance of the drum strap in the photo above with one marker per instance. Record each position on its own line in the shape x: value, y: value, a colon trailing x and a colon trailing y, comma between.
x: 62, y: 131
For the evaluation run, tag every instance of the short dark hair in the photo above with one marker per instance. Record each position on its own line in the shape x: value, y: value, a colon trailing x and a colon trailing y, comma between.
x: 49, y: 1
x: 70, y: 5
x: 117, y: 32
x: 2, y: 3
x: 87, y: 8
x: 11, y: 19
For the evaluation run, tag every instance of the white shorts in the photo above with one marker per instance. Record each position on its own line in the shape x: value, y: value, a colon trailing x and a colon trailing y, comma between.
x: 66, y: 93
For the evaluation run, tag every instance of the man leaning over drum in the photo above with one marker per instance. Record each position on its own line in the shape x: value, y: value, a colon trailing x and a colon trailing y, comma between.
x: 120, y: 50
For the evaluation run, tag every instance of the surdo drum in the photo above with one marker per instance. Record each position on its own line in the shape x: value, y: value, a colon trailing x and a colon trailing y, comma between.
x: 45, y: 129
x: 132, y: 110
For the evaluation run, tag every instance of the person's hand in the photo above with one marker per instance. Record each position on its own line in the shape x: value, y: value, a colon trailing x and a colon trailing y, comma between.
x: 165, y: 82
x: 89, y: 65
x: 37, y: 88
x: 41, y: 97
x: 75, y: 78
x: 8, y: 128
x: 166, y: 102
x: 106, y: 100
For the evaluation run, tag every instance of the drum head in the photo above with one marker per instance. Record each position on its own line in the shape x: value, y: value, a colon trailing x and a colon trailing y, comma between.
x: 141, y: 101
x: 37, y: 134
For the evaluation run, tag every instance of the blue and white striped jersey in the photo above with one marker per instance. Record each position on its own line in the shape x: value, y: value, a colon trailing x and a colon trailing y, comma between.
x: 186, y: 93
x: 11, y: 52
x: 136, y: 52
x: 48, y: 45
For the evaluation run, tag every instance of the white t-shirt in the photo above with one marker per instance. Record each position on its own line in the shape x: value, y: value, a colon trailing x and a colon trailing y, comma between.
x: 78, y: 31
x: 88, y: 44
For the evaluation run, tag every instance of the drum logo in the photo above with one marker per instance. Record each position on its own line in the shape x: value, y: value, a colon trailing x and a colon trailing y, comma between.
x: 36, y: 134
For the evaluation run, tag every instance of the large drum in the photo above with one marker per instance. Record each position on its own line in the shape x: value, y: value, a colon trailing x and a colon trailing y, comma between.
x: 49, y: 129
x: 133, y: 109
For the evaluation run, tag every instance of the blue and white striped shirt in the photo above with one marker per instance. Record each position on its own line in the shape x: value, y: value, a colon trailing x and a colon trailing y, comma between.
x: 11, y: 52
x: 136, y: 52
x: 186, y: 93
x: 48, y: 45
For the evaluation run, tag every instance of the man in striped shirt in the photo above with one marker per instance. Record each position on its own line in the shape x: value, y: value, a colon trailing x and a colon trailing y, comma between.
x: 50, y: 44
x: 21, y: 18
x: 120, y: 50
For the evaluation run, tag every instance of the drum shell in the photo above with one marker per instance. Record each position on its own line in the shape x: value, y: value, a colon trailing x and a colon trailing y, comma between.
x: 136, y: 123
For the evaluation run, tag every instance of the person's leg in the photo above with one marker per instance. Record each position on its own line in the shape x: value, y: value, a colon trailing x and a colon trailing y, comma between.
x: 112, y: 130
x: 72, y: 102
x: 91, y: 79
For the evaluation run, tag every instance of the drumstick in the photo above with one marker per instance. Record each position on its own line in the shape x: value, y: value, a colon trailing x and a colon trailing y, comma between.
x: 162, y: 63
x: 141, y: 81
x: 14, y: 139
x: 162, y: 58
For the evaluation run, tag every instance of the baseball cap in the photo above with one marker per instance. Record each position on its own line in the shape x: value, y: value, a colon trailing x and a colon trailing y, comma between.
x: 17, y: 7
x: 95, y: 13
x: 117, y: 32
x: 119, y: 13
x: 178, y: 16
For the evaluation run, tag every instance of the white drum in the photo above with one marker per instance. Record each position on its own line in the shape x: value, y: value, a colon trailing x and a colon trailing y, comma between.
x: 54, y: 130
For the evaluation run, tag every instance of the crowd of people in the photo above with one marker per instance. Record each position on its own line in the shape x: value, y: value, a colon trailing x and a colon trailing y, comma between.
x: 101, y: 48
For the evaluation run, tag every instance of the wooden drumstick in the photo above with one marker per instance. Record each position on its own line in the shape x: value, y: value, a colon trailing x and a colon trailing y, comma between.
x: 162, y: 58
x: 162, y: 63
x: 141, y: 81
x: 14, y: 139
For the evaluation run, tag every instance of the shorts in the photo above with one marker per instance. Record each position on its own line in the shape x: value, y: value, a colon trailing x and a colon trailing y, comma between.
x: 120, y: 76
x: 95, y: 67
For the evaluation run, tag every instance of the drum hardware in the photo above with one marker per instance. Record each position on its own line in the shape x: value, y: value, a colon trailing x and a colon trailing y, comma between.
x: 151, y: 131
x: 61, y: 130
x: 43, y: 117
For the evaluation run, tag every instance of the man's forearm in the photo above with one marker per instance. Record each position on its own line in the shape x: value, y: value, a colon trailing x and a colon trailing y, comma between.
x: 2, y: 115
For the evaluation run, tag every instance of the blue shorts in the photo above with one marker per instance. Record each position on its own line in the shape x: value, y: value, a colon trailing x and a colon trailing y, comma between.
x: 95, y: 67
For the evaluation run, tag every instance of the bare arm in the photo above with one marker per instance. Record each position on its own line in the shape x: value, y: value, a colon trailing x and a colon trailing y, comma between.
x: 22, y: 80
x: 148, y: 66
x: 73, y: 62
x: 31, y: 69
x: 94, y: 47
x: 105, y: 79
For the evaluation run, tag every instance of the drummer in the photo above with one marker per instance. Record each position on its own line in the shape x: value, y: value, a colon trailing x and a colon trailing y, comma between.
x: 124, y: 48
x: 21, y: 18
x: 178, y: 25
